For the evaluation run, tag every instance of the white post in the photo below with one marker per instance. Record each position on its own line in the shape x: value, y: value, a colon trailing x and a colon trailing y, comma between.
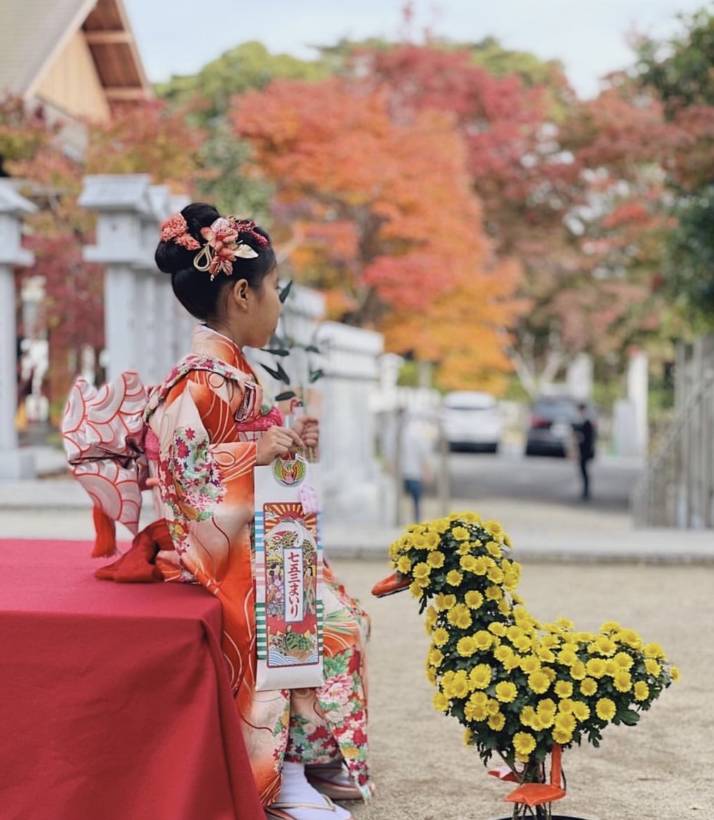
x: 638, y: 393
x: 129, y: 211
x: 14, y: 463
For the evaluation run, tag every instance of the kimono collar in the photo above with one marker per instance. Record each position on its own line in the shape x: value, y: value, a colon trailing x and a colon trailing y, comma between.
x: 208, y: 342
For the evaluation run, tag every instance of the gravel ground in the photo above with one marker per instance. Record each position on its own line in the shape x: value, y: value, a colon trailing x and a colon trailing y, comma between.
x: 662, y: 769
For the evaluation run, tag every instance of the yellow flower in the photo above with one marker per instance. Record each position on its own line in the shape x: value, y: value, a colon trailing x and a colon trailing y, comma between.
x: 495, y: 575
x: 497, y: 721
x: 530, y: 664
x: 596, y: 667
x: 629, y: 637
x: 475, y: 712
x: 435, y: 559
x: 435, y: 657
x: 623, y: 660
x: 444, y: 602
x: 415, y: 589
x: 466, y: 646
x: 474, y: 599
x: 493, y: 549
x: 460, y: 533
x: 653, y: 650
x: 588, y: 687
x: 440, y: 701
x: 468, y: 737
x: 460, y: 685
x: 566, y: 706
x: 404, y: 564
x: 581, y: 711
x: 454, y: 578
x: 528, y: 716
x: 623, y: 681
x: 652, y: 667
x: 494, y: 593
x: 497, y: 628
x: 565, y: 721
x: 545, y: 654
x: 506, y: 692
x: 547, y: 706
x: 605, y: 646
x: 440, y: 636
x: 610, y: 626
x: 480, y: 566
x: 479, y: 699
x: 562, y: 736
x: 431, y: 674
x: 538, y: 682
x: 503, y: 605
x: 471, y: 517
x: 430, y: 618
x: 675, y: 673
x: 421, y: 570
x: 432, y: 540
x: 563, y: 689
x: 467, y: 562
x: 459, y: 616
x: 483, y: 639
x: 480, y: 676
x: 605, y: 709
x: 577, y: 670
x: 523, y: 743
x: 642, y: 690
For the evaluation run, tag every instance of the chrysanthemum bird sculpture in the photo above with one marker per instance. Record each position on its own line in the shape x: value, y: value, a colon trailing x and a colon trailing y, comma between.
x: 522, y: 689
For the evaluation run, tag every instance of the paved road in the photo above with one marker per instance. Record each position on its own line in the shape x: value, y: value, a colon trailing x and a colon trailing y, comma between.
x: 548, y: 480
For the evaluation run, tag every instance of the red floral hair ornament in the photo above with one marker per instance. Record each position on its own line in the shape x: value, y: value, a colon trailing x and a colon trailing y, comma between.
x: 223, y: 245
x: 175, y: 229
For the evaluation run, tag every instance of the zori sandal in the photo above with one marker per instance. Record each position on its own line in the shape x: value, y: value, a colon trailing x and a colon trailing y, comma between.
x: 319, y: 811
x: 333, y: 781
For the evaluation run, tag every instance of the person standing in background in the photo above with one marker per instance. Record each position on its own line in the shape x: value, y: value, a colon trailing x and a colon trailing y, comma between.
x: 585, y: 434
x: 415, y: 459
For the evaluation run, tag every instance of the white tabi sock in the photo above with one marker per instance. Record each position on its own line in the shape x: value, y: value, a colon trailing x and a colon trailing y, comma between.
x: 295, y: 789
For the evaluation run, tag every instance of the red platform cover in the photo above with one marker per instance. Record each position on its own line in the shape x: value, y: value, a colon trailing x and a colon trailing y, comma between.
x: 114, y: 698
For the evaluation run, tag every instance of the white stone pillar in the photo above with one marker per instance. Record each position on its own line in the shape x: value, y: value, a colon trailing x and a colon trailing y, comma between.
x: 638, y: 395
x: 138, y: 329
x: 14, y: 463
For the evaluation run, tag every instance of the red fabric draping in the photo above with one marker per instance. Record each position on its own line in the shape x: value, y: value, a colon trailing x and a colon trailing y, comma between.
x: 114, y: 698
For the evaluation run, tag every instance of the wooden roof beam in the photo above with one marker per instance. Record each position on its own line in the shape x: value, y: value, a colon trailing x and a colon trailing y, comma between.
x: 125, y: 94
x: 104, y: 38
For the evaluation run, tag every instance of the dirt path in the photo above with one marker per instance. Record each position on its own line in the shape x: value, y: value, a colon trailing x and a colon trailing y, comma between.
x: 660, y: 770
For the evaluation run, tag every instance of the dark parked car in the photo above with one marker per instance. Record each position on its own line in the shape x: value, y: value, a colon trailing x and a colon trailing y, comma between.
x: 550, y: 428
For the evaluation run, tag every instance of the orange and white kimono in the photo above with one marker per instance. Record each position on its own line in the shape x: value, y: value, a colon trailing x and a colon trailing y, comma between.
x: 207, y: 416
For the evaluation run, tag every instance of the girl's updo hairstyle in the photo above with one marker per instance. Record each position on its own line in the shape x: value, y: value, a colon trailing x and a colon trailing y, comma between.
x: 193, y: 288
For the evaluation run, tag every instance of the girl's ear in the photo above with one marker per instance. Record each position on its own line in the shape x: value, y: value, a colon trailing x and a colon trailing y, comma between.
x: 240, y: 293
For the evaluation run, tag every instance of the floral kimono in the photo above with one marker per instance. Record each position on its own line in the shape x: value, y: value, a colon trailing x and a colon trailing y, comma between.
x: 208, y: 416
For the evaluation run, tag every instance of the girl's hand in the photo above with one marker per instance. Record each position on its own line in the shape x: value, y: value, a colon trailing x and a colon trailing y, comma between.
x: 277, y: 442
x: 308, y: 428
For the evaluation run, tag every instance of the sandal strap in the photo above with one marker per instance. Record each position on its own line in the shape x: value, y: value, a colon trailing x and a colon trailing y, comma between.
x: 328, y: 805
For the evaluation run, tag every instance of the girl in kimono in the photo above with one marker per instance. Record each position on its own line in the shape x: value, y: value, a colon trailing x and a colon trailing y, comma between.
x: 214, y: 425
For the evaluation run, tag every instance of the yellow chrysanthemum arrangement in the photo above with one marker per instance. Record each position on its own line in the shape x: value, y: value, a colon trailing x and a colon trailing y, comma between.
x: 518, y: 686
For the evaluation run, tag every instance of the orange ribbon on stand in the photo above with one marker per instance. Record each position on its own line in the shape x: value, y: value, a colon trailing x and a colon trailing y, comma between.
x: 537, y: 794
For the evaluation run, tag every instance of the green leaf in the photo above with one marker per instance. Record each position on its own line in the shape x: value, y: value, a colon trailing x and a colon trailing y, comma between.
x: 277, y: 373
x: 285, y: 396
x: 315, y: 375
x: 275, y: 351
x: 628, y: 717
x: 285, y: 292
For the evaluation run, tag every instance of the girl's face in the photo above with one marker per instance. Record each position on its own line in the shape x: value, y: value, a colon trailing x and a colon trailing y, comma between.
x: 253, y: 313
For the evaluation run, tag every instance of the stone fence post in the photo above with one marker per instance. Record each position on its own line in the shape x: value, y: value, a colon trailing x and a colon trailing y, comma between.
x: 146, y: 329
x: 14, y: 463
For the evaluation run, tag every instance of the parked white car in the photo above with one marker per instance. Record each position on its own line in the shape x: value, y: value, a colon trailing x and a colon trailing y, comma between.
x: 472, y: 421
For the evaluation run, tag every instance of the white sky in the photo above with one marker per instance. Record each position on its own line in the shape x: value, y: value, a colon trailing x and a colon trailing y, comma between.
x: 588, y: 36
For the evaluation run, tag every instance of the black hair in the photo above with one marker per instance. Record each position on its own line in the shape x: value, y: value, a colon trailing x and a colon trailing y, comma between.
x: 193, y: 288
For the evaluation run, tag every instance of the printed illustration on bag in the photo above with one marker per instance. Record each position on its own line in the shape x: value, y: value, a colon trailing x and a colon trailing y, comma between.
x: 290, y: 472
x: 291, y: 561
